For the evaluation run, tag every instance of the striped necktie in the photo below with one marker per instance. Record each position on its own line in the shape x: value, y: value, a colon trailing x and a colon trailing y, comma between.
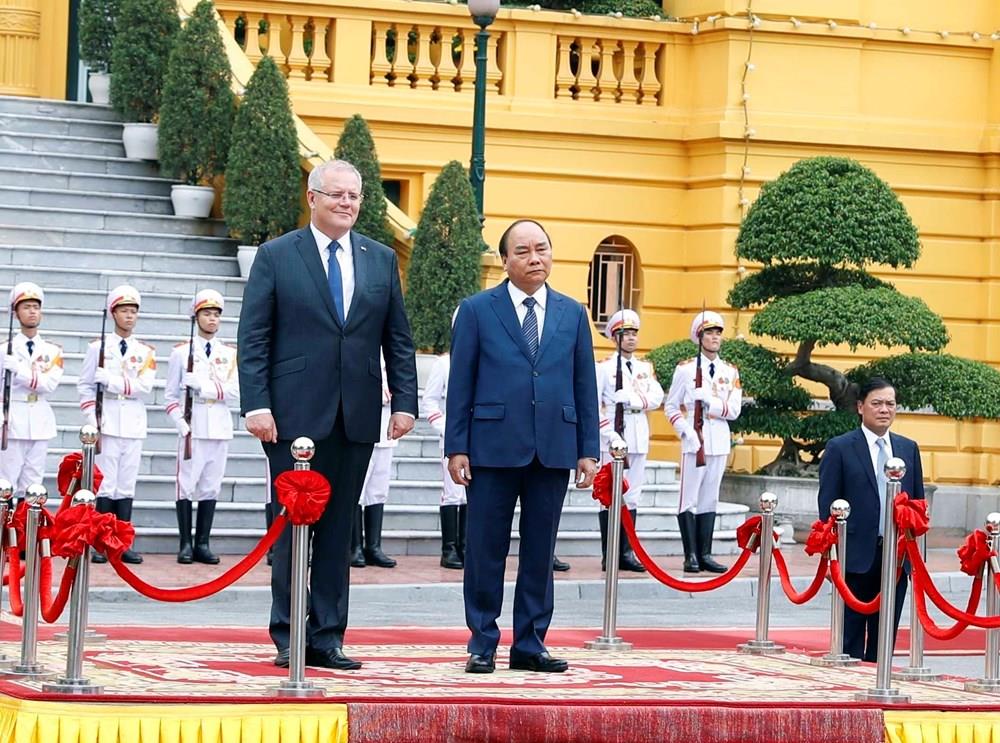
x: 530, y: 326
x: 881, y: 481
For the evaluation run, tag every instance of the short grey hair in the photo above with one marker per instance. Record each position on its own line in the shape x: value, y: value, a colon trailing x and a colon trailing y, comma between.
x: 317, y: 173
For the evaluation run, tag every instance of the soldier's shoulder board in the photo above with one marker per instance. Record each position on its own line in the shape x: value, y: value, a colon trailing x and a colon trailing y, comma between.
x: 181, y: 344
x: 686, y: 362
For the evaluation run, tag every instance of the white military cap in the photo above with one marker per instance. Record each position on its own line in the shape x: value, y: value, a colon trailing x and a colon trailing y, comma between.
x: 207, y: 299
x: 26, y: 290
x: 621, y: 321
x: 123, y: 294
x: 706, y: 321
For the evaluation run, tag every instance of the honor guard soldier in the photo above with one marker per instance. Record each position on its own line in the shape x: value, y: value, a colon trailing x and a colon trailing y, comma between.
x: 214, y: 384
x: 374, y: 493
x: 722, y: 399
x: 36, y: 366
x: 640, y: 392
x: 126, y: 374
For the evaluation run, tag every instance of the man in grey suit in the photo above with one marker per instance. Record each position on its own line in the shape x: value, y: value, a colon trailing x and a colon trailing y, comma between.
x: 320, y: 304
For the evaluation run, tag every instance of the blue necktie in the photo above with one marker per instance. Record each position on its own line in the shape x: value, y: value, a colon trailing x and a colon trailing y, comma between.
x: 123, y: 345
x: 336, y: 281
x: 31, y: 348
x: 881, y: 480
x: 711, y: 370
x: 530, y: 326
x: 208, y: 349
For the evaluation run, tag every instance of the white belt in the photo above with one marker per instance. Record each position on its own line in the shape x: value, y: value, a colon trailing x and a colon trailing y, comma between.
x: 206, y: 400
x: 31, y: 397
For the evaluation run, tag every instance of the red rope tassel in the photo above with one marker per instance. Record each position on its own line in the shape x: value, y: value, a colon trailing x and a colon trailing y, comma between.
x: 786, y: 582
x: 193, y: 593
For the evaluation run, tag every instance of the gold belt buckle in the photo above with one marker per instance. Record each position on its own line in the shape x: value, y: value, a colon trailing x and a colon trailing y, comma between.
x: 209, y: 401
x: 32, y: 397
x: 121, y: 397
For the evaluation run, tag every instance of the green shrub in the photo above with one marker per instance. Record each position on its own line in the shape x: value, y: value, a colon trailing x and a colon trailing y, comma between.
x: 145, y: 32
x: 263, y: 178
x: 357, y: 147
x: 445, y: 265
x: 97, y: 32
x: 196, y: 118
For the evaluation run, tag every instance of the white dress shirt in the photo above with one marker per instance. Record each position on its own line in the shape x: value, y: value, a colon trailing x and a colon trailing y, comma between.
x: 345, y: 257
x: 517, y: 297
x: 871, y: 437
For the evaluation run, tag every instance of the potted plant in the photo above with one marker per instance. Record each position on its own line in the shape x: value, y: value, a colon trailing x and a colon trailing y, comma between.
x: 196, y: 116
x: 263, y: 177
x: 143, y: 40
x: 97, y: 33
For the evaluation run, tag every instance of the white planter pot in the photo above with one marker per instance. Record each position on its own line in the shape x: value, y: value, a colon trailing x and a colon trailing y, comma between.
x: 140, y: 141
x: 244, y: 256
x: 99, y: 85
x: 192, y: 201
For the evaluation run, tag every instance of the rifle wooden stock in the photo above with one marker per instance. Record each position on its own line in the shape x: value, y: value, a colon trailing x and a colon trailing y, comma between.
x: 699, y: 414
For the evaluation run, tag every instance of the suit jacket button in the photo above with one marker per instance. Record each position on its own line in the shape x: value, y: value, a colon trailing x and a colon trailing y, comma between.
x: 534, y: 374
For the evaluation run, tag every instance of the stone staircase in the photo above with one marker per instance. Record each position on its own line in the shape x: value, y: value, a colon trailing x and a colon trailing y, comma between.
x: 78, y: 218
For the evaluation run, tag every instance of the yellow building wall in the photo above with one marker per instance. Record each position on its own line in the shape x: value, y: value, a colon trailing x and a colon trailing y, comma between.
x: 33, y: 38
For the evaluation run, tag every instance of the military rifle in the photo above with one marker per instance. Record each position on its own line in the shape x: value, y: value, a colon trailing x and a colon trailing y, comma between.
x: 188, y: 401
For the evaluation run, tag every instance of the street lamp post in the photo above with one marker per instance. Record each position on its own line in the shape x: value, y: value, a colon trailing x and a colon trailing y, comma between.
x: 483, y: 14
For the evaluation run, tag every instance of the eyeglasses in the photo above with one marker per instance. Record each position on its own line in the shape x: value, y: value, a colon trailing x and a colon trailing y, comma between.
x: 354, y: 198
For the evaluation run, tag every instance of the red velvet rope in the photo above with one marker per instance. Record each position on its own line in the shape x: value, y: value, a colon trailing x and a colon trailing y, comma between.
x: 923, y: 583
x: 668, y: 580
x: 850, y: 599
x: 930, y: 627
x: 52, y: 608
x: 786, y: 582
x: 14, y: 594
x: 203, y: 590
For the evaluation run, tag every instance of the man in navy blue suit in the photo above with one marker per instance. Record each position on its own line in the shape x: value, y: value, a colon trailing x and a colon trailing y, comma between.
x: 319, y: 306
x: 521, y: 413
x: 852, y: 469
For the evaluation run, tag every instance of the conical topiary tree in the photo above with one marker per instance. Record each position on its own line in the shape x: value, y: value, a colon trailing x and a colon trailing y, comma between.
x: 97, y: 32
x: 263, y: 177
x: 357, y: 147
x: 817, y: 229
x: 144, y: 36
x: 445, y: 264
x: 196, y: 117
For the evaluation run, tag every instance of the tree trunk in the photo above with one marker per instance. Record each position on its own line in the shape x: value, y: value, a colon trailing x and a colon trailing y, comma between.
x: 842, y: 393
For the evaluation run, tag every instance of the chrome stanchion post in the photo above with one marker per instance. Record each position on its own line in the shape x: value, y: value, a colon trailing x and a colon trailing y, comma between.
x: 35, y: 495
x: 990, y: 682
x: 883, y: 692
x: 760, y: 645
x: 296, y: 685
x: 917, y: 671
x: 841, y: 510
x: 74, y: 682
x: 609, y: 639
x: 6, y: 511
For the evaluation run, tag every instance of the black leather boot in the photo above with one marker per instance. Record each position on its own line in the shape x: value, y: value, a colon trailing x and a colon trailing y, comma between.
x: 705, y: 524
x: 463, y: 514
x: 450, y: 558
x: 627, y: 560
x: 101, y: 505
x: 602, y: 522
x: 357, y: 555
x: 123, y: 510
x: 373, y: 538
x: 685, y: 522
x: 202, y: 531
x: 185, y: 553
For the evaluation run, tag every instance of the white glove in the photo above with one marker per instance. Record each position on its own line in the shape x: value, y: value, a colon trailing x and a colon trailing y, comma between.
x: 688, y: 432
x: 191, y: 380
x: 101, y: 376
x: 11, y: 363
x: 701, y: 394
x: 183, y: 429
x: 622, y: 397
x: 90, y: 418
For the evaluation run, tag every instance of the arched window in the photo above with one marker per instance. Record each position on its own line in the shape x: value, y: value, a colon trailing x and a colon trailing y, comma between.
x: 614, y: 280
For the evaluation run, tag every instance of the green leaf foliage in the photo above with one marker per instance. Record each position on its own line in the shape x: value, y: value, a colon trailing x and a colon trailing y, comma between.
x: 820, y: 426
x: 97, y: 32
x: 952, y: 386
x: 766, y: 421
x: 145, y: 33
x: 786, y: 279
x: 263, y: 178
x: 831, y: 210
x: 445, y: 264
x: 357, y: 147
x: 196, y: 118
x: 855, y: 316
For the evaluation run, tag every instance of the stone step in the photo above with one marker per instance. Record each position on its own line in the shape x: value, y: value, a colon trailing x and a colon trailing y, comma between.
x: 182, y: 284
x: 123, y: 260
x: 88, y: 219
x: 74, y: 163
x: 48, y: 124
x: 57, y: 109
x: 61, y: 143
x: 94, y: 200
x: 169, y: 303
x: 59, y: 237
x: 88, y: 182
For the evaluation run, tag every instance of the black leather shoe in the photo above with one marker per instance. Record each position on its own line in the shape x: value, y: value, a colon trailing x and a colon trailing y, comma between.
x: 541, y: 662
x: 358, y: 558
x: 375, y: 556
x: 98, y: 558
x: 281, y: 659
x: 558, y: 565
x: 333, y: 658
x: 630, y: 563
x: 691, y: 564
x: 132, y: 557
x: 481, y: 663
x: 710, y: 565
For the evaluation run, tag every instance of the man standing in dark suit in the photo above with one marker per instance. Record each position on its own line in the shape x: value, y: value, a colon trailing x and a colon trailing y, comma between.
x: 521, y: 413
x: 320, y: 304
x: 852, y: 468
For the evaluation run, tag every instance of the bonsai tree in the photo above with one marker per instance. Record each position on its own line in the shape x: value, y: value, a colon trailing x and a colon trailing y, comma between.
x: 196, y: 117
x: 263, y: 178
x: 97, y: 32
x: 145, y: 32
x: 817, y: 229
x: 444, y: 266
x: 358, y: 148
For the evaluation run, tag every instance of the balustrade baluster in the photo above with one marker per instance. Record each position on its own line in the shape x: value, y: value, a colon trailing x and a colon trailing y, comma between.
x: 566, y: 79
x: 274, y: 51
x: 649, y: 83
x: 383, y: 71
x: 298, y: 60
x: 467, y: 70
x: 320, y: 65
x: 253, y: 37
x: 494, y: 75
x: 424, y: 70
x: 587, y: 72
x: 607, y: 83
x: 629, y: 73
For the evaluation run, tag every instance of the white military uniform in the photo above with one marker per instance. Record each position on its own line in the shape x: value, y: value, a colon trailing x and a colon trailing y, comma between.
x: 432, y: 407
x: 645, y: 394
x: 200, y: 477
x: 36, y: 373
x: 700, y: 485
x: 375, y: 491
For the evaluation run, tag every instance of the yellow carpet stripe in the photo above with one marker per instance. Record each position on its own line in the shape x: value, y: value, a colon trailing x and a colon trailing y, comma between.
x: 942, y: 727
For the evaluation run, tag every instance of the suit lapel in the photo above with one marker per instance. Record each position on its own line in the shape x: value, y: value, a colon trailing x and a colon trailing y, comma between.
x: 553, y: 316
x: 861, y: 448
x: 359, y: 254
x: 309, y: 253
x: 504, y: 309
